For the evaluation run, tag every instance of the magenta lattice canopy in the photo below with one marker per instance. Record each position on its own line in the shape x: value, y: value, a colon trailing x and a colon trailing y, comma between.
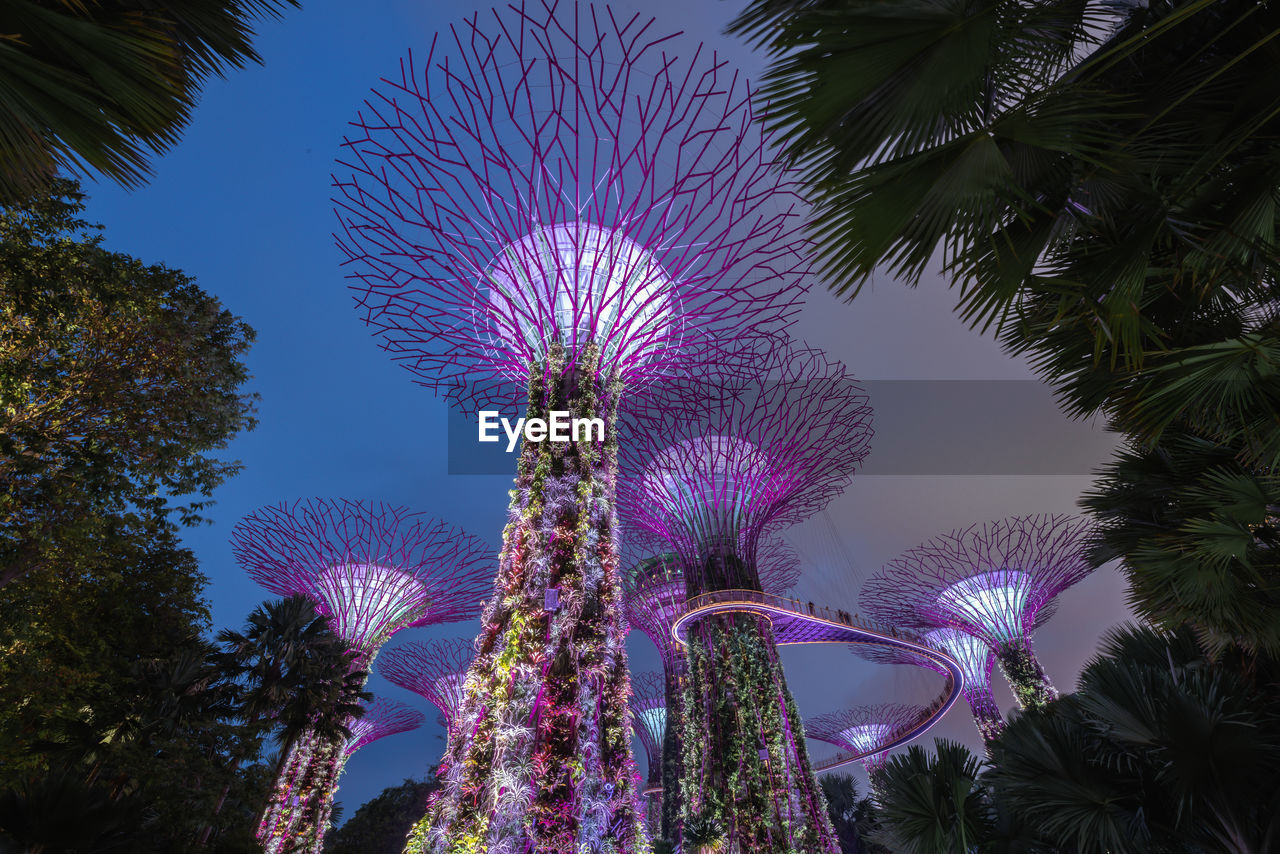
x: 382, y: 717
x: 434, y: 669
x: 371, y: 568
x: 565, y: 175
x: 991, y: 580
x: 864, y: 729
x: 730, y: 464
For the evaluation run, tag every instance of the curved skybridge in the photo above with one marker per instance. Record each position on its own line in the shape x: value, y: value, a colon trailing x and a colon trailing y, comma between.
x: 796, y: 622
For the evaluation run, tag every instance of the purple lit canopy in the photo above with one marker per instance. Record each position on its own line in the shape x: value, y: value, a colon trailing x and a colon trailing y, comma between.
x: 371, y: 568
x: 435, y: 670
x: 725, y: 467
x: 558, y: 175
x: 991, y: 580
x: 864, y: 730
x: 382, y: 717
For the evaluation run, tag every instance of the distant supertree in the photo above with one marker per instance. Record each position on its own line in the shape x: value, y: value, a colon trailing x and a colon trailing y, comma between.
x: 719, y: 473
x: 554, y: 209
x: 371, y: 569
x: 976, y: 661
x: 864, y: 730
x: 655, y: 593
x: 992, y: 581
x: 435, y: 670
x: 649, y: 708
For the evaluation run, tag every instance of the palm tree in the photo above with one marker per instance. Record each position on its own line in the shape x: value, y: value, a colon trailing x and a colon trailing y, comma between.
x: 1199, y: 535
x: 1159, y: 750
x: 103, y: 84
x: 1098, y: 178
x: 933, y: 804
x: 296, y: 673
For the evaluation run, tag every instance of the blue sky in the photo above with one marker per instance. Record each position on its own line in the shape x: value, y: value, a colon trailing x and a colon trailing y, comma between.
x: 242, y: 204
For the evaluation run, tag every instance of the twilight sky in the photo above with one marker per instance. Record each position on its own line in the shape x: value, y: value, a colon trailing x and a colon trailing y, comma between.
x: 242, y: 204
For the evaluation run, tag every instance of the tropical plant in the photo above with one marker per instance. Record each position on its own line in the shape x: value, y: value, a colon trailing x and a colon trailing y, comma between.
x: 852, y: 817
x: 933, y: 804
x: 1197, y: 531
x: 117, y: 380
x: 103, y: 84
x: 296, y: 674
x: 1159, y: 750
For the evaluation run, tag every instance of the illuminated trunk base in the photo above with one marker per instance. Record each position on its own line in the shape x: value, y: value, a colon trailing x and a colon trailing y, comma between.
x: 745, y: 762
x: 1031, y: 686
x: 301, y: 803
x: 986, y: 714
x: 540, y: 759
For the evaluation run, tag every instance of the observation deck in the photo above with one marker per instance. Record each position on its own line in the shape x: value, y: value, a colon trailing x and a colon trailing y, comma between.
x: 796, y: 622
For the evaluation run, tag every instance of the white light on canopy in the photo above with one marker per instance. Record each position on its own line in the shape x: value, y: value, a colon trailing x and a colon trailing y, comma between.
x: 865, y: 737
x: 654, y: 720
x: 993, y: 600
x: 366, y: 601
x: 578, y: 283
x: 975, y: 657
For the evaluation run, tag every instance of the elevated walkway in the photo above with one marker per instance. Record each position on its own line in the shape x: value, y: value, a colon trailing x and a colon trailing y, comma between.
x: 796, y: 622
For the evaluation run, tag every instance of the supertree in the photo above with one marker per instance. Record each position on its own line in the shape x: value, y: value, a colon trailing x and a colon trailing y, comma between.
x: 557, y: 210
x: 435, y: 670
x: 381, y: 718
x: 649, y: 708
x: 992, y: 581
x: 864, y: 731
x: 371, y: 569
x: 719, y: 473
x: 976, y: 661
x: 655, y: 593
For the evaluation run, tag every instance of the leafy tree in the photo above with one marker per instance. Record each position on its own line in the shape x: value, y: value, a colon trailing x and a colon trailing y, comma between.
x: 296, y: 673
x: 102, y: 84
x: 117, y: 380
x: 1102, y: 184
x: 381, y: 825
x: 1160, y: 750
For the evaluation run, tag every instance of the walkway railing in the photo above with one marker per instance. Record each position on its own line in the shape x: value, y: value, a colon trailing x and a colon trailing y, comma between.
x: 840, y: 626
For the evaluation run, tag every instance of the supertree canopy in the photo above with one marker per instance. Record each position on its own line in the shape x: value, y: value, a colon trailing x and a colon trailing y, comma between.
x: 992, y: 581
x: 864, y: 730
x: 553, y: 208
x: 435, y: 670
x: 721, y: 472
x: 371, y: 569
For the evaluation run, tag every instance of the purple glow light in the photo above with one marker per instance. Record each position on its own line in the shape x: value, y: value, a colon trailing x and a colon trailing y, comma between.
x: 435, y: 670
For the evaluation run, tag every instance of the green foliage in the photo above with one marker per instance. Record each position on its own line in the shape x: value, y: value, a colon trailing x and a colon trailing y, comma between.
x: 104, y: 84
x: 381, y: 824
x: 1197, y: 532
x: 852, y: 817
x: 1160, y: 750
x: 933, y: 804
x: 117, y: 380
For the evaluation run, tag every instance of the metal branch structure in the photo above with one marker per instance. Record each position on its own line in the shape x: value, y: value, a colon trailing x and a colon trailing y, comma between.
x: 435, y: 670
x: 864, y: 730
x: 566, y: 208
x: 649, y: 708
x: 993, y: 581
x: 720, y: 473
x: 382, y: 717
x: 371, y: 569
